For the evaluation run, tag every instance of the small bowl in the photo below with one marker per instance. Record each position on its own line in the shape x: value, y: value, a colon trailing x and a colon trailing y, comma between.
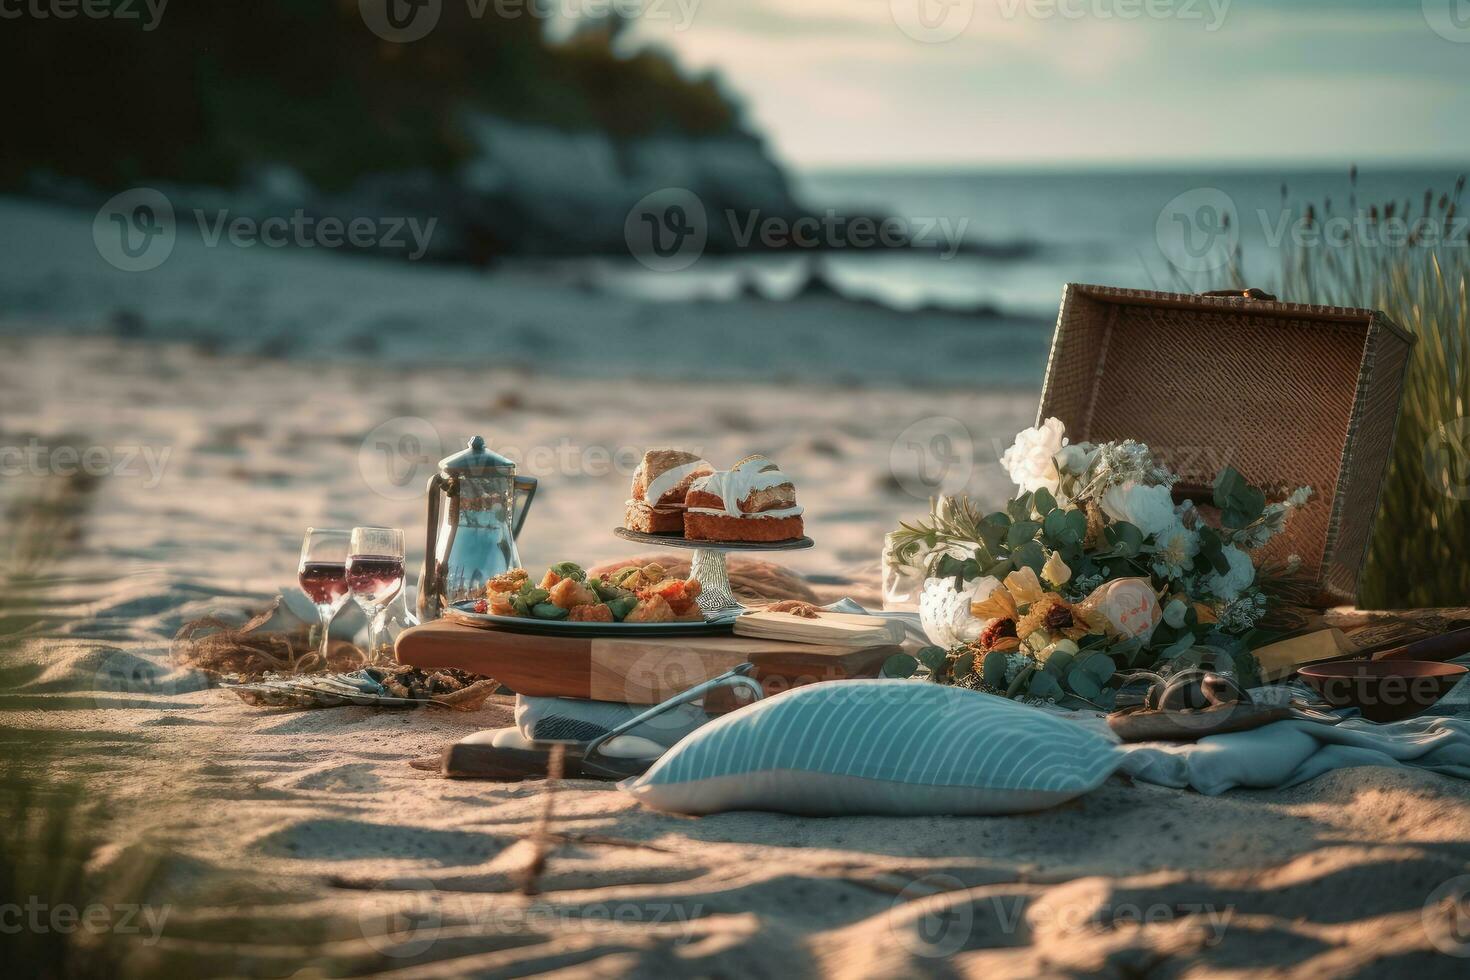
x: 1383, y: 690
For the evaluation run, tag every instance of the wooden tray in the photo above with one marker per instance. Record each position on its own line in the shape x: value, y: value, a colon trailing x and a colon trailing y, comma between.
x: 634, y: 671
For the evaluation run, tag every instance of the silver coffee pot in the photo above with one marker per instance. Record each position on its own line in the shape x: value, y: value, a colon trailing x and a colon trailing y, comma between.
x: 475, y: 513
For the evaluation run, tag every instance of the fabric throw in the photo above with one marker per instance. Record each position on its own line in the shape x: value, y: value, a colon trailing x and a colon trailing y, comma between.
x: 891, y: 747
x: 1291, y: 752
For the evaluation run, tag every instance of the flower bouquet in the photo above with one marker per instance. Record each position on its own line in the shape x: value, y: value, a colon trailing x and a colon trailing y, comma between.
x: 1091, y: 570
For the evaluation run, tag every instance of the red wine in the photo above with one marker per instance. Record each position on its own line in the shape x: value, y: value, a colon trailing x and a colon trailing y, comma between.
x: 374, y: 579
x: 324, y: 582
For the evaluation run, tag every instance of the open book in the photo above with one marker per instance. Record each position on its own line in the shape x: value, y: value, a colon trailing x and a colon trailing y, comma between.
x: 829, y: 628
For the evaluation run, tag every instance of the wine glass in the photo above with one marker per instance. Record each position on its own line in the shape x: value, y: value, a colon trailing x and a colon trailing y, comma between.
x: 375, y: 575
x: 322, y: 574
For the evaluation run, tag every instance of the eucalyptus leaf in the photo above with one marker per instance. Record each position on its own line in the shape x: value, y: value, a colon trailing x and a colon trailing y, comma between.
x: 1021, y: 532
x: 1021, y: 680
x: 1174, y: 613
x: 1031, y: 555
x: 899, y: 665
x: 1084, y: 685
x: 994, y: 669
x: 934, y: 658
x: 964, y: 665
x: 1020, y: 507
x: 1001, y: 568
x: 1043, y: 685
x: 1043, y: 502
x: 1054, y: 526
x: 1059, y: 663
x: 1100, y: 667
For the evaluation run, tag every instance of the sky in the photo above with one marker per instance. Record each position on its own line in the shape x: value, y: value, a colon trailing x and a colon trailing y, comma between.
x: 946, y: 83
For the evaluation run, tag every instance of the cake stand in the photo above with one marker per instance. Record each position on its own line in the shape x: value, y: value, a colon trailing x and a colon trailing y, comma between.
x: 707, y: 566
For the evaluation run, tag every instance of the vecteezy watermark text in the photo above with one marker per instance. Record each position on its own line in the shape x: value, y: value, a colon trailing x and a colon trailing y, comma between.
x: 126, y: 919
x: 1209, y: 12
x: 406, y: 21
x: 149, y: 12
x: 668, y: 230
x: 136, y: 230
x: 38, y: 459
x: 1200, y: 229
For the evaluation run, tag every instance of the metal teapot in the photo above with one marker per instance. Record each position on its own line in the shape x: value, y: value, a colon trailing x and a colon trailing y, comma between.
x: 474, y: 517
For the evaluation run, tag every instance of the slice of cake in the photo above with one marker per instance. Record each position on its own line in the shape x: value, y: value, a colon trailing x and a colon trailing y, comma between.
x: 660, y: 484
x: 751, y: 501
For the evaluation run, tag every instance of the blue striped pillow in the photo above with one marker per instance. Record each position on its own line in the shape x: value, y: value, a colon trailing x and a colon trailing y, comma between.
x: 879, y: 747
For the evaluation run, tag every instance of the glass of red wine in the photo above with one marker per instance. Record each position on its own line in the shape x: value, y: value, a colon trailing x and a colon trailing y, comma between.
x: 375, y: 577
x: 323, y: 574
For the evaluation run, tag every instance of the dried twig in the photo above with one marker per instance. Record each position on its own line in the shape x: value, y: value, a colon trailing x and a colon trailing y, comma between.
x: 542, y: 839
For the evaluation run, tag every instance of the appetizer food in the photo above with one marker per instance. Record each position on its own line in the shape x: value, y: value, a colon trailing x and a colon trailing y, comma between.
x: 630, y: 595
x: 659, y: 486
x: 751, y: 501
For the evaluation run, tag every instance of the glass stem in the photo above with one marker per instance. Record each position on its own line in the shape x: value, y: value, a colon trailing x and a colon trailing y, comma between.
x: 326, y: 618
x: 375, y: 635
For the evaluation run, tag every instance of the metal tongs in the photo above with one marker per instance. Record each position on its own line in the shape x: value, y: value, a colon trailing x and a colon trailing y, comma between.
x: 469, y: 760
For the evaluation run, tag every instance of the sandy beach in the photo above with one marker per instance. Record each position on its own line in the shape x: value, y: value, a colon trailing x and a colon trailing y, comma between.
x: 303, y: 843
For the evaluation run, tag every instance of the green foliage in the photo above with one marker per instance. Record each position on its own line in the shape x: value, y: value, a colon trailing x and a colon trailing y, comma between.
x: 218, y: 89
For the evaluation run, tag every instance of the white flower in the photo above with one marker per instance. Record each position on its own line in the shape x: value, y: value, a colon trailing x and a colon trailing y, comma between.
x: 1174, y: 551
x: 1150, y: 509
x: 1241, y: 574
x: 1031, y: 460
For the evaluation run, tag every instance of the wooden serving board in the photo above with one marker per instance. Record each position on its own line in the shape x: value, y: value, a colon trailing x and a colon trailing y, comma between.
x: 643, y: 670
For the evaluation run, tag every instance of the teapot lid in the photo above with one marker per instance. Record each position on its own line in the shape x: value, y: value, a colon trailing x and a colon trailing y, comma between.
x: 476, y: 460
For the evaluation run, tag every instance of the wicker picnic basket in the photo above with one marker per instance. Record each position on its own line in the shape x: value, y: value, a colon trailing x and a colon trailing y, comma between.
x: 1290, y: 395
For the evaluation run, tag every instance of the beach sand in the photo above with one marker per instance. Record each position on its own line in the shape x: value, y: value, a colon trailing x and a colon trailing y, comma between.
x: 289, y: 843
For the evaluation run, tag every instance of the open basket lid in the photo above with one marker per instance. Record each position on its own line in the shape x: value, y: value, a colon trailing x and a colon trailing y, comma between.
x: 1290, y: 395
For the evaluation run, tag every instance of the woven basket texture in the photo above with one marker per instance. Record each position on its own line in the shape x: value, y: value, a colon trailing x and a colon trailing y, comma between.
x: 1289, y: 395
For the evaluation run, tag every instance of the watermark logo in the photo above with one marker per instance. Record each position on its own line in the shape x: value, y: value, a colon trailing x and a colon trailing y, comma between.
x: 401, y: 21
x: 134, y: 231
x: 124, y: 675
x: 933, y: 916
x: 402, y: 918
x: 1446, y: 917
x: 932, y: 21
x: 932, y: 457
x: 667, y: 230
x: 397, y: 458
x: 148, y: 12
x: 1195, y: 230
x: 1450, y: 19
x: 1447, y: 459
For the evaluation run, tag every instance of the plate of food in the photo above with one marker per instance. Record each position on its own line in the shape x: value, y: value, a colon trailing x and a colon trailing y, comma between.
x: 634, y: 601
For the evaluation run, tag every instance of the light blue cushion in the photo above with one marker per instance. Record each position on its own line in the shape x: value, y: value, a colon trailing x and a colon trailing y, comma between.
x: 879, y: 747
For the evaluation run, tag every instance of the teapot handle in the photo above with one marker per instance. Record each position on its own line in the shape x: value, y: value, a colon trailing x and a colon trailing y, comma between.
x: 427, y: 583
x: 526, y: 485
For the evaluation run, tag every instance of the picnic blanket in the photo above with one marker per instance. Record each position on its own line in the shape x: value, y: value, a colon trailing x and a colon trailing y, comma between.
x: 1281, y: 754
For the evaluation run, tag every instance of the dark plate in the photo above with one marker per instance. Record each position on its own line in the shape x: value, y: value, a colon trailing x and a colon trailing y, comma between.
x: 457, y: 613
x: 679, y: 541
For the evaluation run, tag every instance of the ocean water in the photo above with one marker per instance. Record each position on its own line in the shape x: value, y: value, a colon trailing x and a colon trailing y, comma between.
x: 1032, y: 232
x: 977, y: 306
